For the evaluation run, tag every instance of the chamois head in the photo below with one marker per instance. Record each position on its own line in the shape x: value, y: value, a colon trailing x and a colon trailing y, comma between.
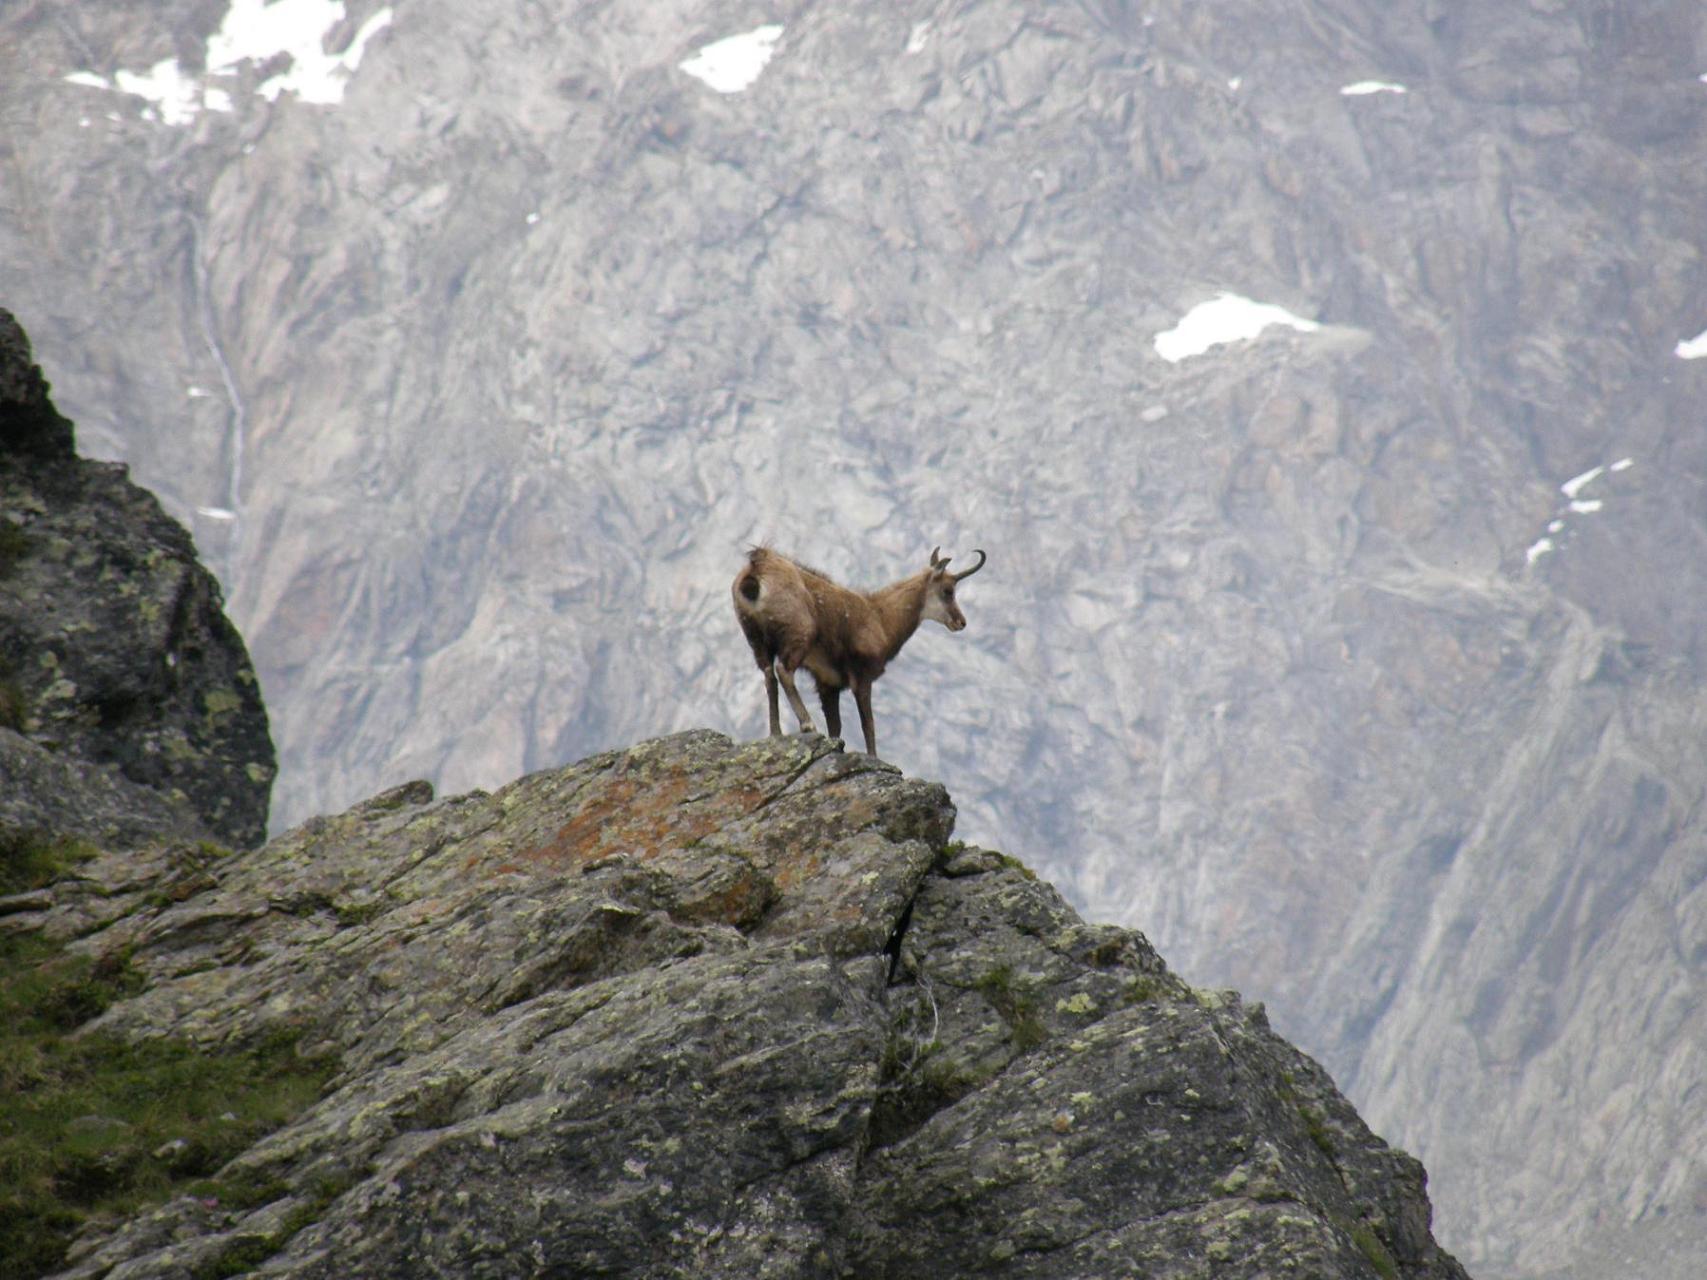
x: 939, y: 591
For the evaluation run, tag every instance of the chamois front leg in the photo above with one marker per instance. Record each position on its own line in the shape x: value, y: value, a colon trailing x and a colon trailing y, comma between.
x: 786, y: 674
x: 862, y: 699
x: 831, y: 700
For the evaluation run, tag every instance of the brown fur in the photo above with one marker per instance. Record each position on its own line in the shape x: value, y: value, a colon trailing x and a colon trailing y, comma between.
x: 796, y: 617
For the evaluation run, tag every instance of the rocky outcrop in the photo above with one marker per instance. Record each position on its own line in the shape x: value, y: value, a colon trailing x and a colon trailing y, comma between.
x: 696, y: 1008
x: 128, y: 706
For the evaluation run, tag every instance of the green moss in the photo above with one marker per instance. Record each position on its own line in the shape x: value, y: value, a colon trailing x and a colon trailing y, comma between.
x: 351, y: 914
x: 249, y: 1252
x: 1315, y: 1120
x: 241, y: 1189
x: 14, y: 704
x: 220, y: 702
x: 1016, y: 1002
x: 1143, y: 989
x: 31, y: 860
x: 97, y: 1124
x: 14, y: 545
x: 244, y: 1255
x: 1364, y: 1237
x: 193, y: 870
x: 1318, y: 1130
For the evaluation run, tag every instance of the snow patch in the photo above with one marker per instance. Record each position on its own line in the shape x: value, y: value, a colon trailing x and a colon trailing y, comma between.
x: 1694, y: 348
x: 733, y: 63
x: 253, y: 31
x: 918, y: 37
x: 1365, y: 87
x: 1575, y: 505
x: 1224, y: 318
x: 1572, y: 487
x: 216, y: 513
x: 173, y: 97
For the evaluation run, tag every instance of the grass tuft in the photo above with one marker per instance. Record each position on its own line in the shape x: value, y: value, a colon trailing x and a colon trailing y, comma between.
x: 31, y: 860
x: 94, y: 1124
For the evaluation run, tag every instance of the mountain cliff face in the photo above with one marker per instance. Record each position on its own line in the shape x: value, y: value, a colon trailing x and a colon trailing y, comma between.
x: 701, y: 1009
x: 128, y: 707
x: 1359, y: 662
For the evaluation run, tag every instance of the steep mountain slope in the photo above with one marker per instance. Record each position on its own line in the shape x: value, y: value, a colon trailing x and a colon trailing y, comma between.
x: 1293, y: 652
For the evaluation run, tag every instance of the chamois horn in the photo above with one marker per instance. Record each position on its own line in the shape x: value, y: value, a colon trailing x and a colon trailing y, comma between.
x: 969, y: 572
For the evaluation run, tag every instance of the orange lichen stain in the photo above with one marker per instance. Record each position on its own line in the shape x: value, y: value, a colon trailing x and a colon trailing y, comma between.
x: 741, y: 903
x: 794, y: 870
x: 640, y: 819
x: 421, y: 911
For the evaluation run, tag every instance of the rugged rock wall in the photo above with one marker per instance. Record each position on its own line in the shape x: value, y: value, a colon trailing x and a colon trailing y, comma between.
x: 695, y: 1009
x: 128, y: 706
x: 474, y: 373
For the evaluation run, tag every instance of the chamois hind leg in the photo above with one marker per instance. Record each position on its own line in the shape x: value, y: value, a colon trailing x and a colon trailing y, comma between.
x: 770, y: 698
x: 786, y: 674
x: 830, y: 699
x: 862, y: 699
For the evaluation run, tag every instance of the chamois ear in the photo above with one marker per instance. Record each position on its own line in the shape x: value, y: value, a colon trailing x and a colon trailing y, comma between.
x: 939, y: 564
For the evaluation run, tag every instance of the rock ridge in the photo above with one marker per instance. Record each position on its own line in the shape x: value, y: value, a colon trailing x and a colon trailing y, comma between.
x: 706, y: 1008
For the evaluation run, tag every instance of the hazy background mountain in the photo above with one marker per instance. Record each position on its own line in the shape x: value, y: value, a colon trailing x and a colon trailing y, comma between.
x: 1360, y: 665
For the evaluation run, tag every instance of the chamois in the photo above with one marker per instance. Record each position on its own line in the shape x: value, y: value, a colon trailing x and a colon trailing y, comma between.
x: 795, y: 617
